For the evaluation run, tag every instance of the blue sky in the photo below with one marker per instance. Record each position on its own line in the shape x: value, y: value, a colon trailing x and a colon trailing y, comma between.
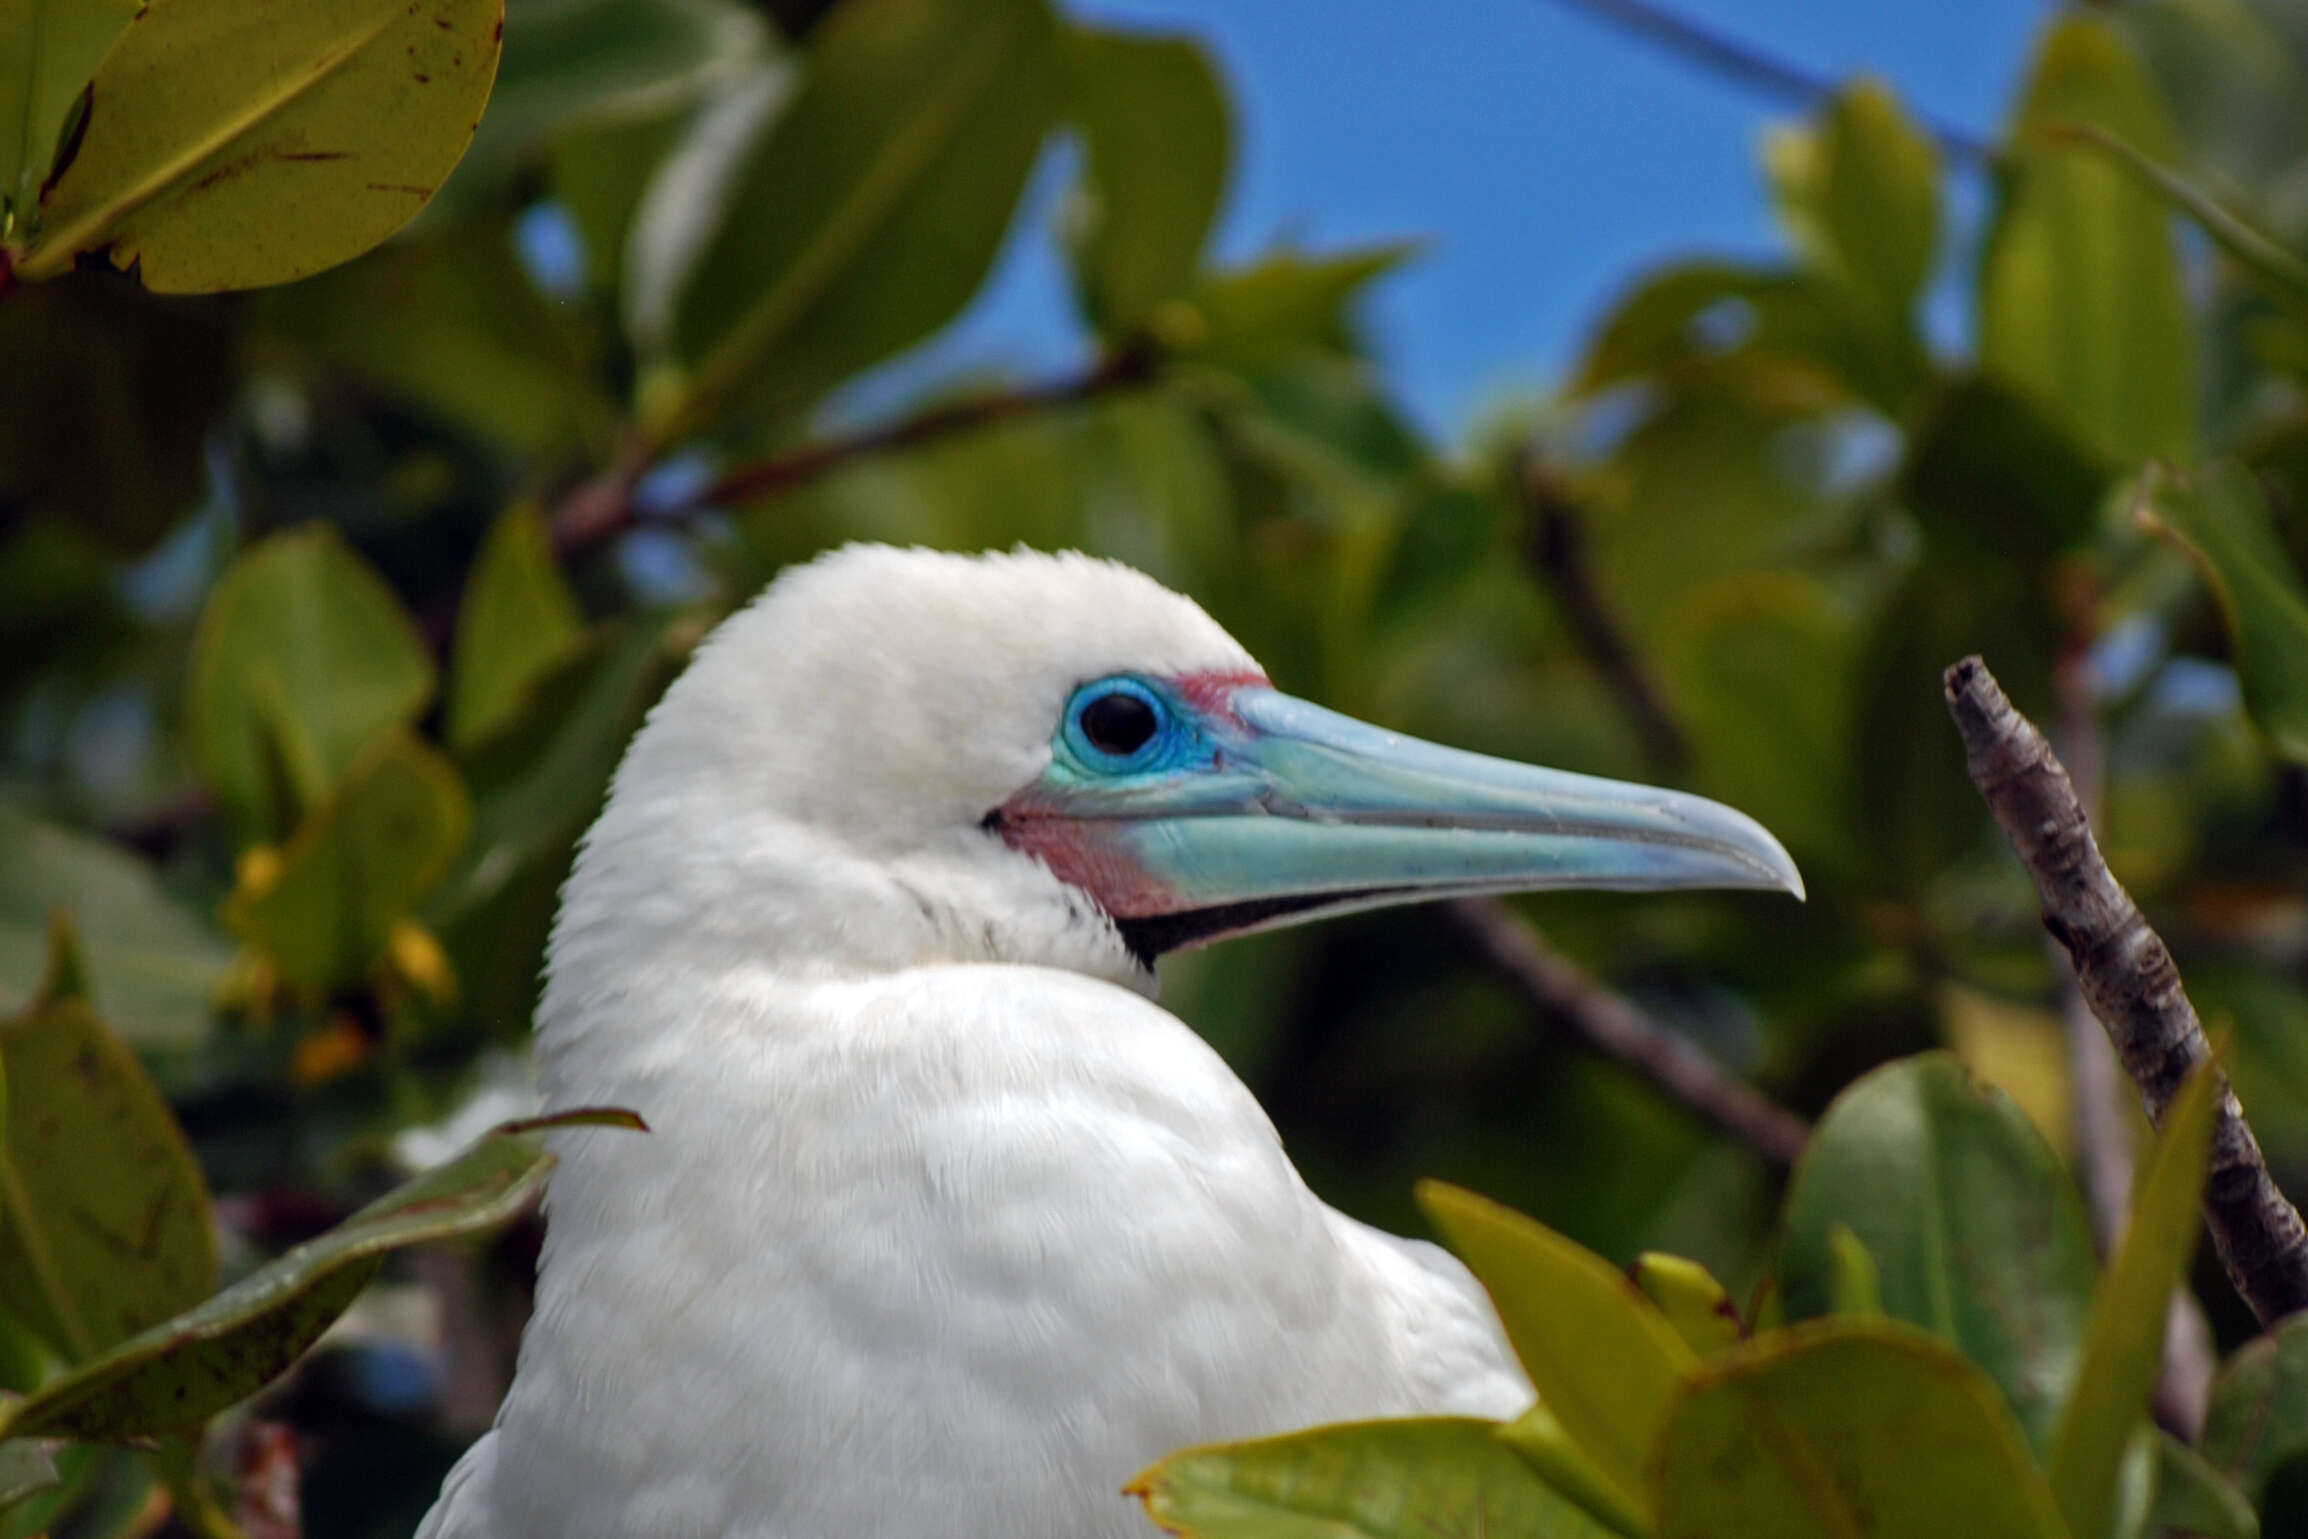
x: 1544, y: 157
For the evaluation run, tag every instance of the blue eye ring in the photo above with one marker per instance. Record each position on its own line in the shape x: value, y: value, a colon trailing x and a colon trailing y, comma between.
x: 1115, y: 725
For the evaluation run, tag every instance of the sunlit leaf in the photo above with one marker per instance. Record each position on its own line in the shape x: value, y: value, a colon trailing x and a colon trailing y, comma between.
x: 1154, y: 125
x: 1284, y: 303
x: 1601, y: 1356
x: 2219, y: 516
x: 1571, y: 1471
x: 154, y: 966
x: 868, y: 212
x: 1372, y: 1480
x: 359, y: 864
x: 2082, y: 298
x: 1975, y: 1231
x: 1862, y: 191
x: 1691, y: 1299
x: 229, y: 146
x: 104, y: 1223
x: 517, y: 620
x: 185, y: 1370
x: 2282, y: 273
x: 1847, y: 1430
x: 2124, y: 1345
x: 48, y: 49
x: 299, y: 639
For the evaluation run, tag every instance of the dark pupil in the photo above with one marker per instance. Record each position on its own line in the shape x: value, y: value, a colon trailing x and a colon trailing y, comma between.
x: 1118, y: 724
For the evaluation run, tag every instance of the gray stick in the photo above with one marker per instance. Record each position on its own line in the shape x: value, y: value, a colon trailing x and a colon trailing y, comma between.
x: 2128, y: 979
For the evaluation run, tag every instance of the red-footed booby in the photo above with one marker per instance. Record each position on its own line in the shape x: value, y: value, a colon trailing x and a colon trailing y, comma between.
x: 945, y: 1227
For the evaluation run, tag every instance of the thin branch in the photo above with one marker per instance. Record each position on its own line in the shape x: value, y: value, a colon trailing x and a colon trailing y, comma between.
x: 2128, y: 979
x: 1552, y: 984
x: 1744, y: 64
x: 2095, y: 1079
x: 2096, y: 1085
x: 1556, y: 544
x: 605, y: 507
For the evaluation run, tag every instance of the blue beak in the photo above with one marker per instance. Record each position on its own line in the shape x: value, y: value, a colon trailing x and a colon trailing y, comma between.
x: 1284, y: 810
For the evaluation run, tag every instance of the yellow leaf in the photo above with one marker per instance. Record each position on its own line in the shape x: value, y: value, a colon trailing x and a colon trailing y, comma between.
x: 232, y: 143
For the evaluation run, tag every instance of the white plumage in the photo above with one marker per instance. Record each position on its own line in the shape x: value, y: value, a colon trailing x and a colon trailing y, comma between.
x: 944, y: 1228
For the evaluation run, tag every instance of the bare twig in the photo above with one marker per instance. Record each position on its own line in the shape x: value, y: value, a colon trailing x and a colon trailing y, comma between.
x: 2096, y: 1083
x: 1556, y: 987
x: 605, y: 507
x: 1556, y: 541
x: 1747, y: 65
x: 2128, y: 979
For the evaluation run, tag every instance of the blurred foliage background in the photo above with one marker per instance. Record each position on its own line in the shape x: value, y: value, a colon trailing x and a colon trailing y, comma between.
x: 327, y: 607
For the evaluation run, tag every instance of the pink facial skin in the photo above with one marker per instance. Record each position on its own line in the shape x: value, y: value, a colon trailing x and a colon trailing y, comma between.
x: 1091, y: 853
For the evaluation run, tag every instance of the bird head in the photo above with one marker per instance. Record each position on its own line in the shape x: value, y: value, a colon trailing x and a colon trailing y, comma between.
x: 899, y: 756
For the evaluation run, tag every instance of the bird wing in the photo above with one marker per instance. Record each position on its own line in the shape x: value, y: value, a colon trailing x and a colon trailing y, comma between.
x: 463, y: 1509
x: 1453, y: 1345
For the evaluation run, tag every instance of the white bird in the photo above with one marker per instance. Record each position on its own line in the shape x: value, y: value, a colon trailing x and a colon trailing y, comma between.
x: 945, y: 1227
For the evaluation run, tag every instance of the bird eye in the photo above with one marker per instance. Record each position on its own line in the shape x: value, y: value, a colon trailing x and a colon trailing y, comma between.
x: 1118, y: 722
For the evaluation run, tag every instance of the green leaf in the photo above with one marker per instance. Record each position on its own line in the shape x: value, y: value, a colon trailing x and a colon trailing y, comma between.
x: 1844, y: 1429
x: 1283, y: 304
x: 104, y: 1222
x: 1975, y: 1230
x: 1854, y: 1284
x: 178, y: 1374
x: 1691, y: 1299
x: 2218, y: 515
x: 1603, y: 1359
x: 1862, y: 193
x: 448, y: 319
x: 1154, y: 124
x: 570, y: 63
x: 48, y: 49
x: 2284, y: 275
x: 230, y: 146
x: 873, y: 206
x: 301, y: 639
x: 357, y: 866
x: 2259, y: 1409
x: 518, y: 620
x: 154, y: 966
x: 2123, y: 1349
x: 2082, y: 297
x: 25, y: 1469
x: 1564, y: 1465
x: 1369, y: 1480
x: 2195, y: 1498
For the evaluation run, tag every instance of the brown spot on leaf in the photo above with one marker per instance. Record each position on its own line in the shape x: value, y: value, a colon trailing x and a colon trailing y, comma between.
x: 417, y: 192
x: 312, y: 155
x: 424, y: 80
